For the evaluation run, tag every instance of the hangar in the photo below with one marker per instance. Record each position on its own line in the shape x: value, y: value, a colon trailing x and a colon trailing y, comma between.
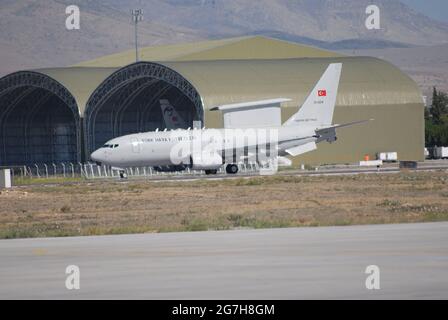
x: 63, y: 114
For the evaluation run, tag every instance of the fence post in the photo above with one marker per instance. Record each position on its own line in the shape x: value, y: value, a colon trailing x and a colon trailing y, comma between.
x: 73, y: 169
x: 80, y: 168
x: 63, y: 169
x: 37, y: 170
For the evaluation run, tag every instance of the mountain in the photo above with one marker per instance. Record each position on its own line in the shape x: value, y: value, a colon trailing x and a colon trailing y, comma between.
x: 336, y: 45
x: 33, y: 33
x: 324, y: 20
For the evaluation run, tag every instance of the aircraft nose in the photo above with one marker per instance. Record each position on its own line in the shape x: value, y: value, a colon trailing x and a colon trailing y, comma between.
x: 98, y: 156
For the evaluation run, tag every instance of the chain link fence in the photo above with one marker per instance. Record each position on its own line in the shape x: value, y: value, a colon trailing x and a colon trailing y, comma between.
x: 93, y: 171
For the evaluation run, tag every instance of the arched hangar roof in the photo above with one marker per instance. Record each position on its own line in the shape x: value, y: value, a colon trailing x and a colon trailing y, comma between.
x: 364, y: 81
x: 79, y: 81
x: 244, y: 69
x: 82, y: 80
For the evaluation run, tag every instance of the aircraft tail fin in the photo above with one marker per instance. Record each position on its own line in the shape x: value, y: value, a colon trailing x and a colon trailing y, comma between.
x: 170, y: 115
x: 318, y: 108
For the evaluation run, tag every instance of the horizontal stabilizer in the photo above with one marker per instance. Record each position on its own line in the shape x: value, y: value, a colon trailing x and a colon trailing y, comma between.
x: 304, y: 148
x: 329, y: 133
x: 336, y: 126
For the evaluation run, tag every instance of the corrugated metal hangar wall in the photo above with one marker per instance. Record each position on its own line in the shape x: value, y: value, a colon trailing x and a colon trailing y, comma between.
x: 63, y: 114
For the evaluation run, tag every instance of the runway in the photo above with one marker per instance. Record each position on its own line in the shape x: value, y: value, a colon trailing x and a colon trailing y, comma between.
x: 301, y: 263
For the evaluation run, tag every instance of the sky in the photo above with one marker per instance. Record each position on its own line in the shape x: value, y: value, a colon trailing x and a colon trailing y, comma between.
x: 436, y: 9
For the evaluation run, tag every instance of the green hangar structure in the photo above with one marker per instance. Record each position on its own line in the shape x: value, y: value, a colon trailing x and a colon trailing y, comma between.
x: 63, y: 114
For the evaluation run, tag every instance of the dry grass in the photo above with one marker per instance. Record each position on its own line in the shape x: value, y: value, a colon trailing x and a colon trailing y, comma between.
x: 261, y: 202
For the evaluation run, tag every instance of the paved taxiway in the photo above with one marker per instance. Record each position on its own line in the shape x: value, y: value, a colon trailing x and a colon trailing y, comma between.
x: 338, y: 170
x: 263, y: 264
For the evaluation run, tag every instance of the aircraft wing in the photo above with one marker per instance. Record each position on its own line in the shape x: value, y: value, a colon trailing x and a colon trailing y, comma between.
x: 304, y: 148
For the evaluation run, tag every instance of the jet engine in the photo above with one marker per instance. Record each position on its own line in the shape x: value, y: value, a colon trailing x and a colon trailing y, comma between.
x: 206, y: 161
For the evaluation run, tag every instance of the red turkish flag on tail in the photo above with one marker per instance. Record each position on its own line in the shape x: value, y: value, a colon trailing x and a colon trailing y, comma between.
x: 322, y: 93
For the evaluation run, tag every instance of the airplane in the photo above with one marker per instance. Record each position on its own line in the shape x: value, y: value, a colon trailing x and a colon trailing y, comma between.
x: 172, y: 119
x: 300, y: 134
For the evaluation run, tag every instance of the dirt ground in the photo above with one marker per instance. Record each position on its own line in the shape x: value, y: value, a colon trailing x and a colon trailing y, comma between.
x: 88, y: 208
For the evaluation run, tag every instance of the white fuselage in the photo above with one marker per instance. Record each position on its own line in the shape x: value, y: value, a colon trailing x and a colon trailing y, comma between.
x: 166, y: 148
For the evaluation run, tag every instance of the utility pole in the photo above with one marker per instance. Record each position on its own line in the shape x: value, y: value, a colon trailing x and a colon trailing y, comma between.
x: 137, y: 16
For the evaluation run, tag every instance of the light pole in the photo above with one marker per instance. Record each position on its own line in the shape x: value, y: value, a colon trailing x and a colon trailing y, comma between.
x: 137, y: 16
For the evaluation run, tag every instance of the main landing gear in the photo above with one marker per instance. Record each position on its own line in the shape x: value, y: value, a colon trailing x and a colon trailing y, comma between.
x: 232, y: 169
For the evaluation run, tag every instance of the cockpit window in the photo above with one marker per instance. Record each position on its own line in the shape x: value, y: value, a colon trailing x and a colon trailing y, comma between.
x: 111, y: 146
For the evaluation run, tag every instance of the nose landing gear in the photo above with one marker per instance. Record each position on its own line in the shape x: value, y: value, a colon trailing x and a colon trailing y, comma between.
x: 123, y: 175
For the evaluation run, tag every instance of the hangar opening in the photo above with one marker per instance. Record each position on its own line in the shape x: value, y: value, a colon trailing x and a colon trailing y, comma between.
x: 39, y: 121
x: 129, y: 101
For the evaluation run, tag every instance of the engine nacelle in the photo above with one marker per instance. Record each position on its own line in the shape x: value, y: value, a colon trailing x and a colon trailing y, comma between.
x: 170, y: 168
x: 206, y: 161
